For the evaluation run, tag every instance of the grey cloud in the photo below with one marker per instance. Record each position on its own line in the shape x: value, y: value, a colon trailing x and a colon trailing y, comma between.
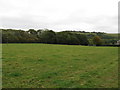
x: 101, y: 23
x: 24, y: 22
x: 104, y: 23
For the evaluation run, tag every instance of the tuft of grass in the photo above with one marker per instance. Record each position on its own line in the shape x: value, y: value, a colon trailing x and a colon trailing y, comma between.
x: 15, y: 74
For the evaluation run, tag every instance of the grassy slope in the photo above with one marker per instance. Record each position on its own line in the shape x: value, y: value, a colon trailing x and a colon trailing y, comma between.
x: 42, y: 65
x: 114, y: 35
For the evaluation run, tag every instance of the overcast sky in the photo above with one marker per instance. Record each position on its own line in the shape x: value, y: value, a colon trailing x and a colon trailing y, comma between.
x: 58, y: 15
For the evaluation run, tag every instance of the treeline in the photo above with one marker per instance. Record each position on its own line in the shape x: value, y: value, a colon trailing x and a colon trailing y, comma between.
x: 51, y: 37
x: 43, y: 36
x: 85, y: 32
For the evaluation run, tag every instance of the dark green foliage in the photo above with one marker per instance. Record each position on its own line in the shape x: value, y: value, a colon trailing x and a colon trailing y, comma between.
x: 110, y: 41
x: 51, y: 37
x: 67, y: 38
x: 17, y: 36
x: 71, y: 38
x: 83, y: 39
x: 43, y: 36
x: 48, y: 36
x: 61, y: 38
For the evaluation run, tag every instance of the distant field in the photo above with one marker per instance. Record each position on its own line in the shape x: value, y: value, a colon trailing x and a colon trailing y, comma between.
x: 59, y: 66
x: 114, y: 35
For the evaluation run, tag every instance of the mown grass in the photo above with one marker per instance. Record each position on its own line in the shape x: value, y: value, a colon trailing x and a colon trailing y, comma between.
x: 59, y: 66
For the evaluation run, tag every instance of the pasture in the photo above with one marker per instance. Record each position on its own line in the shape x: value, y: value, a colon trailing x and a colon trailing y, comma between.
x: 59, y: 66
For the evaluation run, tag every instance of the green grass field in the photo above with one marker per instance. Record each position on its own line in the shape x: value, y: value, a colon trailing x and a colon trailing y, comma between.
x: 59, y: 66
